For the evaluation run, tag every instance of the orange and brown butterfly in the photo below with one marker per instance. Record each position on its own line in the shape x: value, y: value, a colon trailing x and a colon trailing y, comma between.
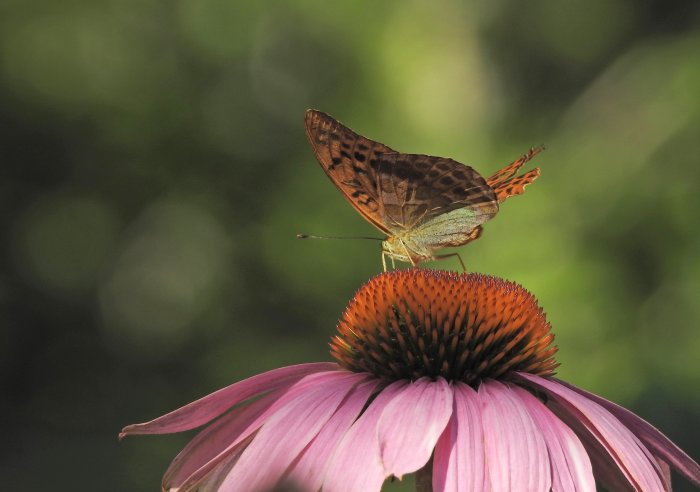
x: 422, y: 203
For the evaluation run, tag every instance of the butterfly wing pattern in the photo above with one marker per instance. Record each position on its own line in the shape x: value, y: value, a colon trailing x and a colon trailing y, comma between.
x: 350, y: 161
x: 506, y: 184
x: 422, y: 203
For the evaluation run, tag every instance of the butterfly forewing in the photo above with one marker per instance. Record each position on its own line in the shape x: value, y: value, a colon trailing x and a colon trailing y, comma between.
x: 350, y: 161
x: 394, y: 191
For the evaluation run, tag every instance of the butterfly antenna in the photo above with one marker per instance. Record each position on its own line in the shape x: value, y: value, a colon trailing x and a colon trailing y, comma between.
x: 309, y: 236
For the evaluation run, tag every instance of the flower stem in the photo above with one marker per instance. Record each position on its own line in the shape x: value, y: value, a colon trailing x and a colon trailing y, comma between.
x: 424, y: 477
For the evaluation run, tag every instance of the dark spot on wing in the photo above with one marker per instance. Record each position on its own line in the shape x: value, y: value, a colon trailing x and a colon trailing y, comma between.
x: 359, y: 170
x: 362, y: 197
x: 406, y: 172
x: 443, y: 166
x: 360, y: 157
x: 473, y: 197
x: 447, y: 181
x: 460, y: 191
x: 422, y: 166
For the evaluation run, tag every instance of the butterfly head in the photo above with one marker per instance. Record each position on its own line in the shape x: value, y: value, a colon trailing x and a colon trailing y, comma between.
x: 404, y: 249
x: 394, y: 249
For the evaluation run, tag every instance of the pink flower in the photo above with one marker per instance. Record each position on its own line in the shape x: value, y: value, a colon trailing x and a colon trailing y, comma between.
x: 447, y: 376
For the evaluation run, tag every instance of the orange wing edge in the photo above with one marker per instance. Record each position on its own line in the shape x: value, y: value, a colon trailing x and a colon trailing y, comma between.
x: 504, y: 182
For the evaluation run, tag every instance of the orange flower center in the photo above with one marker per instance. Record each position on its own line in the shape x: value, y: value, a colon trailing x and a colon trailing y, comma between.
x: 464, y: 327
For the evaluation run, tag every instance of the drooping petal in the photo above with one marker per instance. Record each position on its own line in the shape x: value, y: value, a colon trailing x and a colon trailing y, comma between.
x: 411, y: 425
x: 215, y: 438
x: 309, y: 470
x: 205, y: 409
x: 210, y: 478
x: 655, y: 440
x: 238, y: 432
x: 356, y: 465
x: 516, y: 454
x: 286, y: 433
x: 618, y: 442
x: 666, y: 473
x: 459, y: 465
x: 606, y: 470
x: 570, y: 464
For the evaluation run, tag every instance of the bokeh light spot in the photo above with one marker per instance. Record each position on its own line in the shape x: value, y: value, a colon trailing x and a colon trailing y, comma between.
x: 168, y: 270
x: 63, y: 241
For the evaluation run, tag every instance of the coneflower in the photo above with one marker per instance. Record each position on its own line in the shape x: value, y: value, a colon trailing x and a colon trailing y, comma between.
x: 444, y: 375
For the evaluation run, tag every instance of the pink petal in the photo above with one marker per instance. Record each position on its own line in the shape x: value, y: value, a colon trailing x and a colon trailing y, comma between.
x: 657, y: 467
x: 284, y: 436
x: 211, y: 406
x: 571, y: 466
x: 617, y: 441
x: 411, y: 425
x: 215, y: 474
x: 214, y: 439
x: 458, y: 465
x: 237, y: 432
x: 606, y: 471
x: 666, y: 473
x: 516, y: 454
x: 356, y: 465
x: 657, y: 442
x: 309, y: 470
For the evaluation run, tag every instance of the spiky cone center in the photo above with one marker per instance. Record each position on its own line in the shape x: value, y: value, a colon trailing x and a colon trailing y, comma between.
x: 464, y: 327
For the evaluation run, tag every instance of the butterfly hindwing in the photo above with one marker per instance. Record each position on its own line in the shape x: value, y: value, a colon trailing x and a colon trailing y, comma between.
x: 516, y: 185
x: 505, y: 184
x: 416, y: 188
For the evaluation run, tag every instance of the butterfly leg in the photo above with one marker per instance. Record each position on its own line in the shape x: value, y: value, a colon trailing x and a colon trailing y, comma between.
x: 408, y: 255
x: 393, y: 264
x: 450, y: 255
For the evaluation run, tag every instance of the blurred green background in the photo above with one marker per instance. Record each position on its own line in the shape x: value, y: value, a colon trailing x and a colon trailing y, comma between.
x: 154, y: 172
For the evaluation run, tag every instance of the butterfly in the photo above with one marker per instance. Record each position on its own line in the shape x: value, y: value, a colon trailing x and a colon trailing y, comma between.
x: 422, y: 203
